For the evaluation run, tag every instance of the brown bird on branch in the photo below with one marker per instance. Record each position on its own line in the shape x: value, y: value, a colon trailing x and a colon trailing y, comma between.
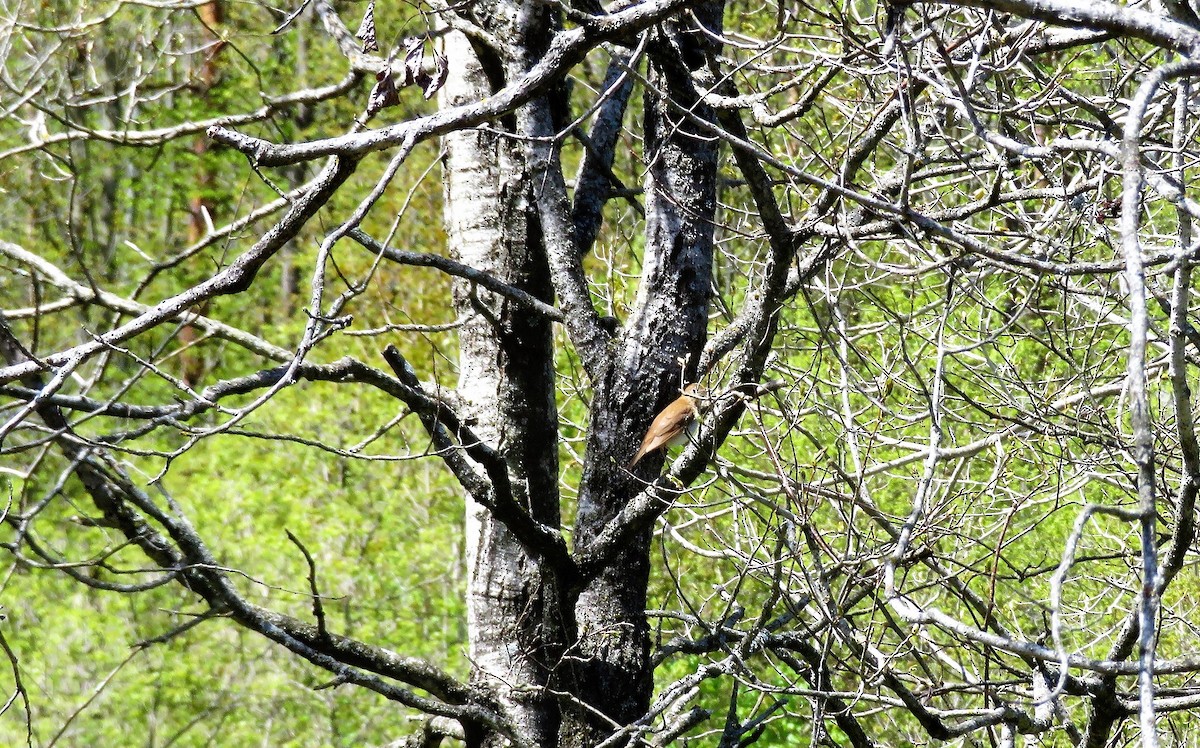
x: 675, y: 425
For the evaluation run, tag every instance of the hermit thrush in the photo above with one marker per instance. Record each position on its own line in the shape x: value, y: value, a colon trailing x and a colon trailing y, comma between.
x: 675, y: 425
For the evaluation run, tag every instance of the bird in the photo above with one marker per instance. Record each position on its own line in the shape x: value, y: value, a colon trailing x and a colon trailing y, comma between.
x: 675, y: 425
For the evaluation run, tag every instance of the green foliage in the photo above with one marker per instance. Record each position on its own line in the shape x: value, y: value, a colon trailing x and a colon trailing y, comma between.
x: 830, y: 462
x: 385, y: 534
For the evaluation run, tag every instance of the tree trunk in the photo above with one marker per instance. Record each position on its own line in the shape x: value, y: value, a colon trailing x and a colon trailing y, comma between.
x: 656, y: 356
x: 519, y: 629
x: 506, y: 378
x: 200, y: 205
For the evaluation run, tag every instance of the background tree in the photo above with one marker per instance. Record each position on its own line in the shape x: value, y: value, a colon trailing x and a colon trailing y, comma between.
x: 931, y: 262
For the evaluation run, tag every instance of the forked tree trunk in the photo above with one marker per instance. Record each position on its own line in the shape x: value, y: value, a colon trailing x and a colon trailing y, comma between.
x: 519, y: 632
x: 658, y: 353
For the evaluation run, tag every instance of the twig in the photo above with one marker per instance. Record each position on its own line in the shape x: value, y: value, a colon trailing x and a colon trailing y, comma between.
x: 318, y: 607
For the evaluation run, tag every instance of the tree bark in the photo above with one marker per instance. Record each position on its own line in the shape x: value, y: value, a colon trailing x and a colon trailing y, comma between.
x: 523, y: 616
x: 200, y: 204
x: 657, y: 354
x: 506, y: 379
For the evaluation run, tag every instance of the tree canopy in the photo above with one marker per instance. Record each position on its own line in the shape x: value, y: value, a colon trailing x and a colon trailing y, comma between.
x: 330, y: 334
